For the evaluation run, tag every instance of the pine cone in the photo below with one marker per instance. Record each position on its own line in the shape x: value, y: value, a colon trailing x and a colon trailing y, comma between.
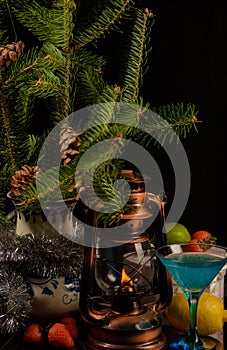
x: 10, y: 53
x: 69, y: 142
x: 23, y: 177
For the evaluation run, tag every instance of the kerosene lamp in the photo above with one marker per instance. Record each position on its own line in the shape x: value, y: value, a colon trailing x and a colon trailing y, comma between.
x: 124, y: 287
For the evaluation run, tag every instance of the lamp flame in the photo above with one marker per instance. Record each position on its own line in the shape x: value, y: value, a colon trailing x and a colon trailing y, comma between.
x: 125, y: 279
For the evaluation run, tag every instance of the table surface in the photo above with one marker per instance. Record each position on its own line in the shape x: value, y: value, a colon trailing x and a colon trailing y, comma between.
x: 16, y: 342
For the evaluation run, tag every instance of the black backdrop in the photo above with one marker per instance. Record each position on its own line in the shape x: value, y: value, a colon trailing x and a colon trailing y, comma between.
x: 187, y: 64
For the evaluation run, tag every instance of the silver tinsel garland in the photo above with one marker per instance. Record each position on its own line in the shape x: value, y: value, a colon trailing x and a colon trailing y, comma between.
x: 15, y: 301
x: 42, y: 256
x: 51, y: 257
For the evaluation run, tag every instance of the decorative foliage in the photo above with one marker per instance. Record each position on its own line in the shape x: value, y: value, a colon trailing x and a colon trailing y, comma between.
x: 133, y: 54
x: 180, y: 117
x: 102, y: 18
x: 58, y: 65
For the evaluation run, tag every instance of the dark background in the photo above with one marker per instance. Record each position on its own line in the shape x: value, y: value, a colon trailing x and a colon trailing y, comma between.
x: 187, y: 64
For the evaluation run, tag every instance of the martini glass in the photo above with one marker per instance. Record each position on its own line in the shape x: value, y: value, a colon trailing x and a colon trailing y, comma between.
x: 193, y: 267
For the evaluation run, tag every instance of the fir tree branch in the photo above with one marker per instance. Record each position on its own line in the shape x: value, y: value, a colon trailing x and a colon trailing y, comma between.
x: 49, y: 184
x: 91, y: 81
x: 55, y: 23
x: 32, y: 78
x: 179, y: 118
x: 22, y: 66
x: 133, y: 56
x: 7, y: 138
x: 100, y: 118
x: 83, y: 58
x: 86, y: 77
x: 101, y: 19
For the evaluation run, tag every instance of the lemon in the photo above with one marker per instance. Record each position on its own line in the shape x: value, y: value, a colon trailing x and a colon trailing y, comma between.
x: 211, y: 341
x: 177, y: 233
x: 210, y: 316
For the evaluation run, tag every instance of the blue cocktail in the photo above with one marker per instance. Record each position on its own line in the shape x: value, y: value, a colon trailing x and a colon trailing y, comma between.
x: 193, y: 271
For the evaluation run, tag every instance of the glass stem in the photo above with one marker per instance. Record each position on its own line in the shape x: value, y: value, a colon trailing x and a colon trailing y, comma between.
x: 193, y: 298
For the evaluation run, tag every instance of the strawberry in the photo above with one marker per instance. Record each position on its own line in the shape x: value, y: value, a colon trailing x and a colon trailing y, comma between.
x: 72, y: 325
x: 201, y: 239
x: 59, y: 335
x: 204, y: 236
x: 33, y: 334
x: 201, y: 234
x: 193, y: 246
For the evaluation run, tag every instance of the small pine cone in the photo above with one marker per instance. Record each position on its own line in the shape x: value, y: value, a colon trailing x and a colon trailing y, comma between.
x: 23, y: 177
x: 69, y: 142
x: 10, y: 53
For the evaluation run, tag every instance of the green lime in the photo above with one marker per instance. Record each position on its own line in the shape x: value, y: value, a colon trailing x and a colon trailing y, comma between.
x: 177, y: 233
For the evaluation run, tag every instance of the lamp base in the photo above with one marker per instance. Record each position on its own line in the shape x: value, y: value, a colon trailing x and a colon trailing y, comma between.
x: 156, y: 344
x: 137, y: 329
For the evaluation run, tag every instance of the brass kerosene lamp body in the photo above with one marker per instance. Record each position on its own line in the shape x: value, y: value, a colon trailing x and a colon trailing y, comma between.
x: 124, y: 287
